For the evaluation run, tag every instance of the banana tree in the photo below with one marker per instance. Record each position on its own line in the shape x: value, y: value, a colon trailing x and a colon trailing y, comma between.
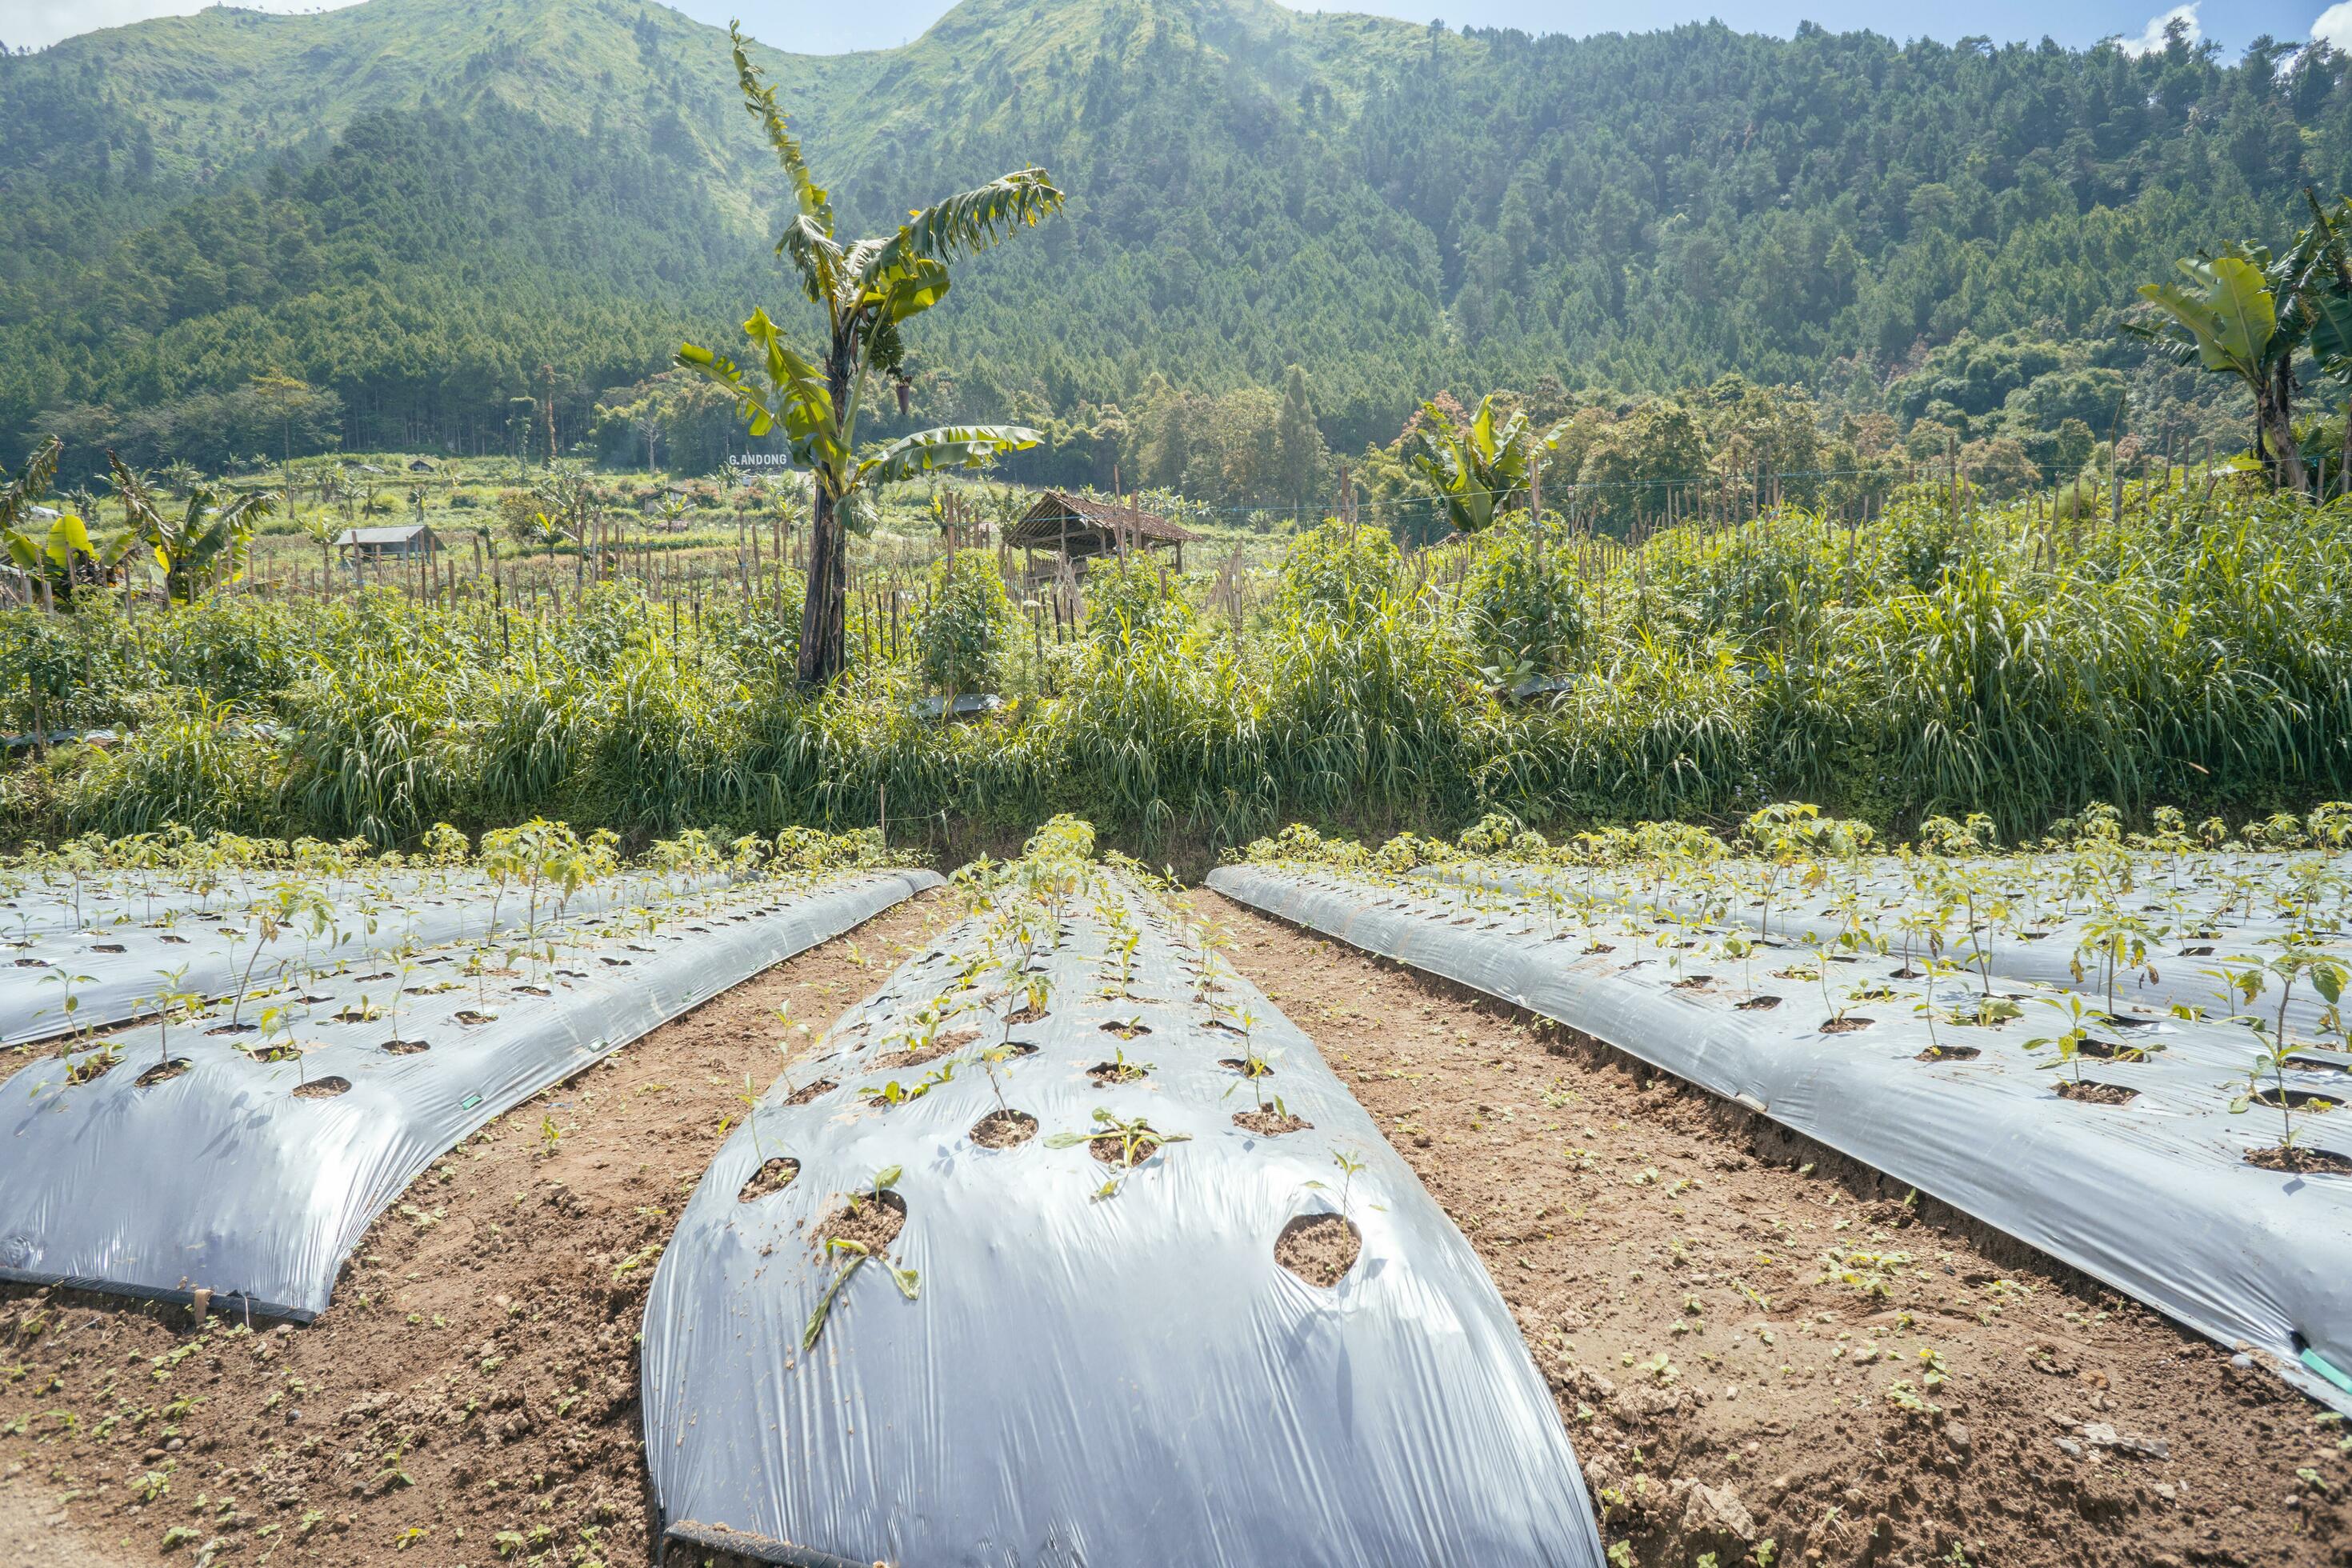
x: 868, y: 291
x: 2326, y: 303
x: 208, y: 542
x: 2227, y: 318
x: 62, y: 554
x: 1479, y: 472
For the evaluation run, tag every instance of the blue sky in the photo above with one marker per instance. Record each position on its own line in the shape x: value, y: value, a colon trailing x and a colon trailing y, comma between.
x: 828, y: 25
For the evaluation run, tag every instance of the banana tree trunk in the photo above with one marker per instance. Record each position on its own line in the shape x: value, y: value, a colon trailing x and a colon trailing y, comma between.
x: 2275, y: 413
x: 825, y: 607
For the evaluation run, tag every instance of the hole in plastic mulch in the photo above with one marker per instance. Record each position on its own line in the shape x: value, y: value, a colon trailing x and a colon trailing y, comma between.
x: 406, y: 1048
x: 803, y: 1095
x: 2089, y: 1091
x: 322, y: 1088
x: 1004, y: 1130
x: 162, y: 1072
x: 2309, y: 1099
x: 2109, y: 1051
x: 1126, y: 1031
x: 238, y: 1028
x: 772, y: 1177
x: 1844, y: 1025
x: 1248, y: 1067
x: 470, y: 1017
x: 1112, y: 1147
x: 871, y: 1222
x: 1758, y: 1004
x: 1269, y: 1123
x: 1948, y: 1054
x: 2301, y: 1160
x: 1117, y: 1072
x: 1319, y: 1248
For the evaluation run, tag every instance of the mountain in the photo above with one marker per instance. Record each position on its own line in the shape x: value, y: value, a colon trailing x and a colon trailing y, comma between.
x: 417, y: 203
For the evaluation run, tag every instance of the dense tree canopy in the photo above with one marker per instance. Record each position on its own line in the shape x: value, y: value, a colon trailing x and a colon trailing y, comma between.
x: 1951, y: 231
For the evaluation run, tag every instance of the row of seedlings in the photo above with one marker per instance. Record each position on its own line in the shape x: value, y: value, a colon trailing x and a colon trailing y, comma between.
x: 75, y: 964
x: 2028, y: 1107
x: 1067, y: 1245
x: 242, y: 1149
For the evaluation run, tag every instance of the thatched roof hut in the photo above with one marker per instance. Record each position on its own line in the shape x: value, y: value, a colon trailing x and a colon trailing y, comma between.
x: 1080, y: 526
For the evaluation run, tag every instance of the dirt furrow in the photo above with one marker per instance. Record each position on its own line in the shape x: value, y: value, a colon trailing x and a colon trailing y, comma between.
x: 1768, y: 1354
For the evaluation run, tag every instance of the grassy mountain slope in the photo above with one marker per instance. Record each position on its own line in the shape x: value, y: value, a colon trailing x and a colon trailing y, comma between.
x: 417, y: 201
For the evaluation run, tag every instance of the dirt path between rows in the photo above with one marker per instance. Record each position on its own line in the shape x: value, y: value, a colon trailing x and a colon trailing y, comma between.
x: 1753, y: 1340
x: 471, y: 1397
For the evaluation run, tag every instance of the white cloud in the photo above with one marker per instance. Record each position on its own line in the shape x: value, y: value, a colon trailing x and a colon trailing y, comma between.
x: 2334, y: 28
x: 40, y: 22
x: 2151, y: 37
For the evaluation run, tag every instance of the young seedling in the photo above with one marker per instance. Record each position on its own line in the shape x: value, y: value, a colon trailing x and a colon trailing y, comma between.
x: 2069, y: 1042
x: 59, y: 974
x: 1138, y: 1141
x: 2248, y: 982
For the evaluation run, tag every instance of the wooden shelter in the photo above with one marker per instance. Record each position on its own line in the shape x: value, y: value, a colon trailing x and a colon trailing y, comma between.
x: 398, y: 542
x: 1080, y: 526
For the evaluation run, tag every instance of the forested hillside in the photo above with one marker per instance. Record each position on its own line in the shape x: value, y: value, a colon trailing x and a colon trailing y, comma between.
x: 411, y: 206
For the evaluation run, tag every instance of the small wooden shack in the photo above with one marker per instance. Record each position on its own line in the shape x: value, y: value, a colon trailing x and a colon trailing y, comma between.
x: 1082, y: 526
x: 396, y: 541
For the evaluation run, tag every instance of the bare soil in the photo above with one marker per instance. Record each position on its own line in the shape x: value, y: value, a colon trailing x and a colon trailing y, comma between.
x: 1004, y: 1129
x: 1318, y: 1247
x: 1270, y: 1122
x: 2298, y: 1159
x: 471, y: 1397
x: 1752, y: 1340
x: 867, y: 1220
x: 2093, y: 1093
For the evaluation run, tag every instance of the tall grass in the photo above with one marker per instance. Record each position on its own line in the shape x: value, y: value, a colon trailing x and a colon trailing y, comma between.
x: 2197, y: 653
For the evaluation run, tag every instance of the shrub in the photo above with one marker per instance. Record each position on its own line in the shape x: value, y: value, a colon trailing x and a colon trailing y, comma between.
x: 1524, y: 604
x: 961, y: 634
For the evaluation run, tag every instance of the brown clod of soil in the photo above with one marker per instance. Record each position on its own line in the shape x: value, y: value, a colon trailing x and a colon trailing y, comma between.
x: 2093, y: 1093
x: 2315, y: 1161
x: 1004, y: 1129
x: 1318, y: 1247
x: 1598, y: 1262
x: 873, y: 1222
x: 322, y: 1087
x: 498, y: 1348
x: 1270, y: 1122
x: 162, y: 1072
x: 807, y: 1092
x: 772, y: 1177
